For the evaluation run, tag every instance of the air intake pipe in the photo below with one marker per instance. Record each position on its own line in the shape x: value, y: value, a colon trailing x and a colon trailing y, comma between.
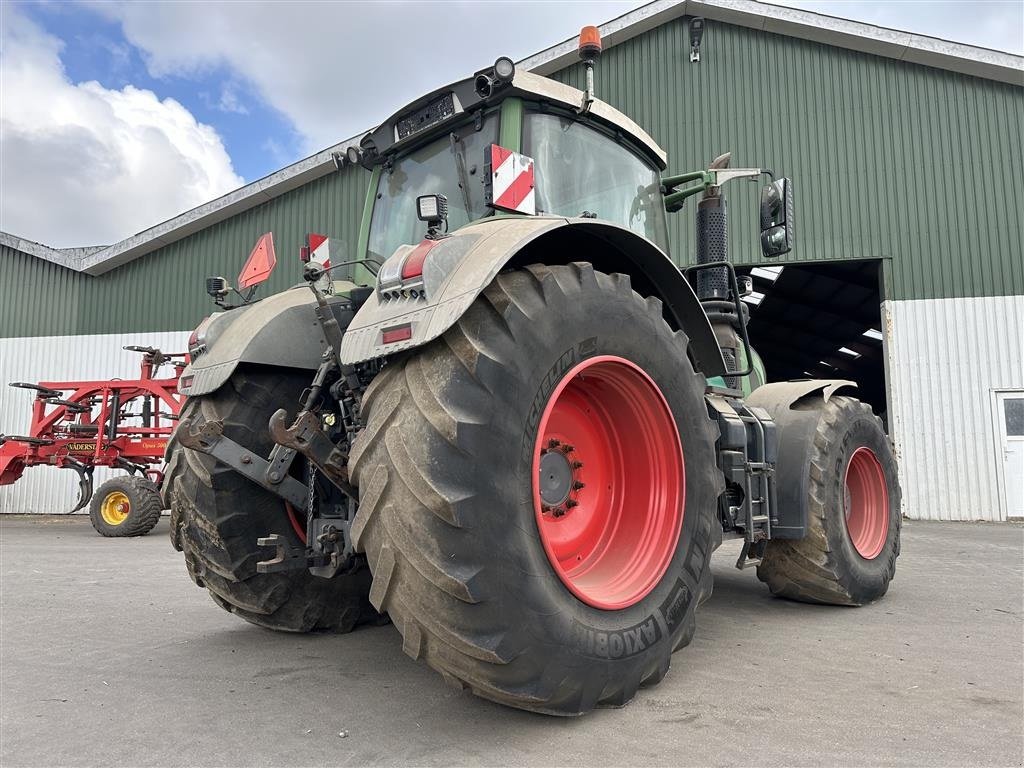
x: 713, y: 288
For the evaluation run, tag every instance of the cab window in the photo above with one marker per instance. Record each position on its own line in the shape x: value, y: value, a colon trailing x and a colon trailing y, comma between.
x: 580, y: 170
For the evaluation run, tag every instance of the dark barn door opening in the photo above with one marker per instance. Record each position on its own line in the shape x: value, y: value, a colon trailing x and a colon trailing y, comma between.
x: 820, y: 321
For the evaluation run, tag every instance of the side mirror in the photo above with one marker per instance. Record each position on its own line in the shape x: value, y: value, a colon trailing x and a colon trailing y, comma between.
x: 777, y: 218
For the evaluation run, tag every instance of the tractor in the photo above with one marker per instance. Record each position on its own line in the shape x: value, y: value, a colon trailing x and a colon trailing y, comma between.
x: 525, y: 435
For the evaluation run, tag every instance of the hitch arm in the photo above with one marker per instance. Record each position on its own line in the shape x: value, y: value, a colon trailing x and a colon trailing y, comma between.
x: 306, y: 437
x: 208, y: 438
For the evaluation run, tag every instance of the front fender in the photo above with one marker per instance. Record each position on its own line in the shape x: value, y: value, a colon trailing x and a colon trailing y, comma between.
x: 280, y: 330
x: 795, y: 428
x: 459, y: 267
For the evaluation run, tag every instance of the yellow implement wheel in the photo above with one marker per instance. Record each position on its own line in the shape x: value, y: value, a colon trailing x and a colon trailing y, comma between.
x: 125, y: 506
x: 115, y: 508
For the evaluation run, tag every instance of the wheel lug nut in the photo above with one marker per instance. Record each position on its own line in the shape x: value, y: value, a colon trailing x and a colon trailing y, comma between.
x: 578, y: 486
x: 577, y: 465
x: 553, y: 443
x: 558, y: 512
x: 567, y: 448
x: 571, y: 503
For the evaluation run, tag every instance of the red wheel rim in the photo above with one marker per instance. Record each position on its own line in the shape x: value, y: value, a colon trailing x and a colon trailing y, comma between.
x: 608, y: 482
x: 867, y: 503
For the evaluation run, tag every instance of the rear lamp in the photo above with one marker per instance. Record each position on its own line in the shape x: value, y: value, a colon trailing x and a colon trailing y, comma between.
x: 197, y: 339
x: 432, y: 208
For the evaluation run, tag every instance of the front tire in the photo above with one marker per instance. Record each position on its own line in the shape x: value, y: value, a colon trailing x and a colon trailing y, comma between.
x: 461, y: 531
x: 217, y: 515
x: 848, y: 556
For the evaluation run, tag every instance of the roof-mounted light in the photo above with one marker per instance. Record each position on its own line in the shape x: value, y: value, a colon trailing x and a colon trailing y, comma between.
x: 590, y: 43
x: 504, y: 69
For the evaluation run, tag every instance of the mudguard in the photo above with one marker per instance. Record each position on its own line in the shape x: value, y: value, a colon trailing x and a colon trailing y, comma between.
x: 280, y: 330
x: 795, y: 429
x: 458, y: 268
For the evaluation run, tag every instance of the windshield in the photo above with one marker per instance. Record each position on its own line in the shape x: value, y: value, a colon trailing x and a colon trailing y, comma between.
x: 578, y: 169
x: 431, y: 169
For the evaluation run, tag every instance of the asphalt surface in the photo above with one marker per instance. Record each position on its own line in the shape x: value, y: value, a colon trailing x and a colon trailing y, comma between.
x: 111, y: 656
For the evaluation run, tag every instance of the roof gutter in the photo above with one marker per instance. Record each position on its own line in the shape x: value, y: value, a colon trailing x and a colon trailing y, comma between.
x: 816, y: 27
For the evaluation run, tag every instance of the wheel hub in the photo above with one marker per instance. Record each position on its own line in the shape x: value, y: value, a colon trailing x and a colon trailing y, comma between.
x: 115, y: 508
x: 609, y: 483
x: 866, y: 502
x: 555, y: 478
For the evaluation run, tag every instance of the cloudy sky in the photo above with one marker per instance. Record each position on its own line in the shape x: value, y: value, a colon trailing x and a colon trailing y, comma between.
x: 115, y: 116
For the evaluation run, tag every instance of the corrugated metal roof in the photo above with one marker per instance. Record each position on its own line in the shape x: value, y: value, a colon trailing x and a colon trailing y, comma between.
x: 879, y: 41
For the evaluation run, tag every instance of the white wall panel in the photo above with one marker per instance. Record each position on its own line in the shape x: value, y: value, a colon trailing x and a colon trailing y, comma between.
x: 62, y: 358
x: 945, y: 358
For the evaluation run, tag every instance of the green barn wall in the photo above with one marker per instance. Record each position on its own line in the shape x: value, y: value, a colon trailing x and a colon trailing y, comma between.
x: 917, y: 166
x: 165, y: 290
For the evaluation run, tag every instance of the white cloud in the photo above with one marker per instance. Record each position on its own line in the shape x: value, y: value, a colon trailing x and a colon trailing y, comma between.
x: 336, y: 68
x: 230, y: 100
x: 333, y: 68
x: 82, y: 164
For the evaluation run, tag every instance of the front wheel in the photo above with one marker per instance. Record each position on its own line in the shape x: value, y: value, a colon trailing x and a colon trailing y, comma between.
x: 537, y: 490
x: 852, y: 508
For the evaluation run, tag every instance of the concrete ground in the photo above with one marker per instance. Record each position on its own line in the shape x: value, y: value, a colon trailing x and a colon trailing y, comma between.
x: 111, y: 656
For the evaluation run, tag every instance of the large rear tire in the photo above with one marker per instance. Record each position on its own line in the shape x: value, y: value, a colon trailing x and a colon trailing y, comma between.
x: 848, y: 556
x: 560, y: 384
x: 217, y: 515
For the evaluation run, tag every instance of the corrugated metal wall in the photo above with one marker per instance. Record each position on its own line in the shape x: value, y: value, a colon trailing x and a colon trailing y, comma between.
x: 165, y: 290
x: 883, y: 155
x: 945, y: 359
x: 890, y: 160
x: 62, y: 358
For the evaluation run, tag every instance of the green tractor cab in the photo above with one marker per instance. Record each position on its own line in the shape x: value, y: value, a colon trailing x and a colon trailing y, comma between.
x: 525, y: 435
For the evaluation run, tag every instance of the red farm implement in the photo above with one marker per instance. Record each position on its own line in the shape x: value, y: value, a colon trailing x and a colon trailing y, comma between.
x: 122, y: 423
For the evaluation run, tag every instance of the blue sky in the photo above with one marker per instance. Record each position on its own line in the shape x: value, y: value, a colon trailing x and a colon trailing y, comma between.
x: 120, y: 114
x: 258, y: 138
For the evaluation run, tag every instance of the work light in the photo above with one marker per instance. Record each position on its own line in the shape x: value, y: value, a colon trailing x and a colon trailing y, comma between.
x: 432, y: 208
x: 504, y: 69
x: 217, y: 287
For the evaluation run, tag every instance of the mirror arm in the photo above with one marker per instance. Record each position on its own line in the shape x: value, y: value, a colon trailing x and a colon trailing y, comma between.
x: 674, y: 198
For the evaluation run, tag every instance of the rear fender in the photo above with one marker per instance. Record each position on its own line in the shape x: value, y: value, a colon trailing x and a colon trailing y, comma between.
x: 795, y: 428
x: 280, y: 330
x: 458, y: 268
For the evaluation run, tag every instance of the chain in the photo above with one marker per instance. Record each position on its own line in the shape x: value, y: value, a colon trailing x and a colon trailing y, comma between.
x: 312, y: 491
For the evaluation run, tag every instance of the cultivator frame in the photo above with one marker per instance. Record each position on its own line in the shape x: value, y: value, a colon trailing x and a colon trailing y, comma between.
x: 82, y: 425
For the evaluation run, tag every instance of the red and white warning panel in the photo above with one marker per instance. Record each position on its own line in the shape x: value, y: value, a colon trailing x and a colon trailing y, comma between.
x: 317, y: 249
x: 511, y: 181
